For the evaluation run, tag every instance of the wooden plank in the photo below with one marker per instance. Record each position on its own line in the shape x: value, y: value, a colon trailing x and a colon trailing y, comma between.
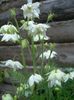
x: 63, y: 10
x: 65, y: 53
x: 62, y: 31
x: 4, y: 88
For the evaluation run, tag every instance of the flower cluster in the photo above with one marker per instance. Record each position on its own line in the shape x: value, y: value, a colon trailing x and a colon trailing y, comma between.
x: 9, y: 33
x: 56, y: 77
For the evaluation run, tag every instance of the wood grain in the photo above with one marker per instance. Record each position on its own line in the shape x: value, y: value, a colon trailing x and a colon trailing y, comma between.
x: 65, y: 53
x: 63, y: 10
x: 4, y: 88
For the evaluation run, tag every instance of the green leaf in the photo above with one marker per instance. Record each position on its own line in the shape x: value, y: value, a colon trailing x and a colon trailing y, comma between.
x: 13, y: 12
x: 24, y: 43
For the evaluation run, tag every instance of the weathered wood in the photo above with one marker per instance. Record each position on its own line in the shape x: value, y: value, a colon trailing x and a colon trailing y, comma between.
x: 65, y: 53
x: 4, y: 88
x: 62, y: 31
x: 63, y: 9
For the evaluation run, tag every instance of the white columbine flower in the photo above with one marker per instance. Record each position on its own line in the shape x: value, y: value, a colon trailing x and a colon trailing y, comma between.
x: 40, y: 37
x: 31, y: 10
x: 8, y: 29
x: 35, y: 29
x: 55, y: 78
x: 7, y: 97
x: 13, y: 64
x: 48, y: 54
x: 10, y: 37
x: 38, y: 29
x: 35, y: 78
x: 72, y: 75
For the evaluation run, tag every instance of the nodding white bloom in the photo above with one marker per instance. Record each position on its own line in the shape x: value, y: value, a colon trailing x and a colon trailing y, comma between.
x: 72, y: 75
x: 55, y: 78
x: 48, y: 54
x: 8, y: 29
x: 13, y: 64
x: 7, y: 97
x: 35, y: 78
x: 34, y: 28
x: 10, y: 37
x: 38, y: 29
x: 40, y: 37
x: 31, y: 10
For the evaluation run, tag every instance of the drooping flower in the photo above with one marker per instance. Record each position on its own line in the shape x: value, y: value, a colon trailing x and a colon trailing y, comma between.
x: 8, y: 29
x: 10, y: 37
x: 48, y: 54
x: 13, y: 64
x: 40, y: 37
x: 31, y: 10
x: 7, y: 97
x: 72, y: 75
x: 55, y: 78
x: 35, y: 78
x: 35, y: 29
x: 38, y: 29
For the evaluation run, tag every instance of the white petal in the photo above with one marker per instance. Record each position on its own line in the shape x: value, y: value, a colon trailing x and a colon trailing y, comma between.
x: 10, y: 37
x: 13, y: 64
x: 71, y: 75
x: 31, y: 80
x: 38, y: 78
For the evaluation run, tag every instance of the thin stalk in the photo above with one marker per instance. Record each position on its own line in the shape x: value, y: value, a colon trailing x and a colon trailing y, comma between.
x: 42, y: 65
x: 23, y: 58
x: 49, y: 57
x: 17, y: 25
x: 22, y: 51
x: 33, y: 56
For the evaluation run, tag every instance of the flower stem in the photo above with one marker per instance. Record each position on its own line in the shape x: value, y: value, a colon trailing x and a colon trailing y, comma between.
x: 42, y: 65
x: 23, y: 58
x: 22, y: 51
x: 17, y: 25
x: 33, y: 56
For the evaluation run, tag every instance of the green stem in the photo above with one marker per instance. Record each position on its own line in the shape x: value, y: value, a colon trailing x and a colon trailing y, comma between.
x: 42, y: 65
x: 50, y: 57
x: 17, y: 25
x: 22, y: 51
x: 23, y: 58
x: 33, y: 56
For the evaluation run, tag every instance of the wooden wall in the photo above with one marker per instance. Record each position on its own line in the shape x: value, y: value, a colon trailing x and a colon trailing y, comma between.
x: 61, y: 31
